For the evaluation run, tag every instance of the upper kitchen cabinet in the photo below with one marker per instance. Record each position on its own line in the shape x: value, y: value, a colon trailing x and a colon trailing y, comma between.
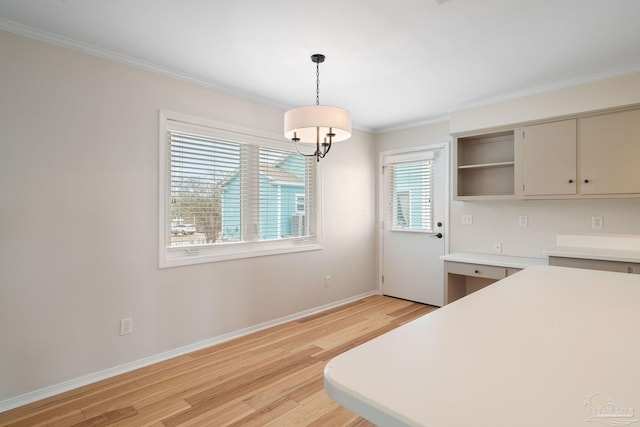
x: 547, y: 155
x: 609, y: 153
x: 485, y: 166
x: 586, y: 156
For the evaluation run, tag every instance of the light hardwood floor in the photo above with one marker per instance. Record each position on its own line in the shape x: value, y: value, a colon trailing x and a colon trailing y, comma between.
x: 270, y: 378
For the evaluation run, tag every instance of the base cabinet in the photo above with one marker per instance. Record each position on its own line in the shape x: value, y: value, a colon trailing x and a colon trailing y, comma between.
x: 595, y: 264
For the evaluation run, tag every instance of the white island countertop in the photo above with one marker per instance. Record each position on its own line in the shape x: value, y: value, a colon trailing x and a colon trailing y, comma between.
x: 547, y: 346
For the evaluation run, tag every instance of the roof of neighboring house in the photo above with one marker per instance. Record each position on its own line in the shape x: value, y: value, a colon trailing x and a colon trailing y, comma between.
x: 274, y: 174
x: 280, y: 176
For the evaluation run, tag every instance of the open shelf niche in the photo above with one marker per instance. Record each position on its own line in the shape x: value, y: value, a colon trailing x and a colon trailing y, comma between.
x: 485, y: 165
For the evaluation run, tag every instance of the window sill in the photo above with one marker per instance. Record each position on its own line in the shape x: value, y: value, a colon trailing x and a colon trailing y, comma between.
x: 176, y: 257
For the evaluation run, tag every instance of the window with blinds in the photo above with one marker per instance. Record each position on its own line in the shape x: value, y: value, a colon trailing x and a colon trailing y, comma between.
x: 411, y: 190
x: 232, y: 194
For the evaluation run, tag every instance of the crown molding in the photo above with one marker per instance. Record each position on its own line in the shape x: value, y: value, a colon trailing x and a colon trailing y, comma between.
x: 90, y: 49
x: 537, y: 90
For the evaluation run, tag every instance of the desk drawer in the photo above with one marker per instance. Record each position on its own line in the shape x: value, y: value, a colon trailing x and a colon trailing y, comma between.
x: 477, y: 270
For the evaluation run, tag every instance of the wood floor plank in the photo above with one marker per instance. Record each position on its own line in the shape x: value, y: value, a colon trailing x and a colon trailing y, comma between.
x: 241, y: 344
x: 109, y: 418
x: 191, y: 381
x: 271, y: 377
x: 337, y: 417
x: 266, y: 414
x: 352, y: 331
x: 413, y: 315
x: 285, y: 387
x: 329, y: 354
x: 221, y: 415
x: 62, y: 419
x: 306, y: 413
x: 154, y: 413
x: 75, y: 401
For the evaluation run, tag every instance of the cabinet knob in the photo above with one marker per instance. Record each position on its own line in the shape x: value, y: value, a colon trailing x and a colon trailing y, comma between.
x: 570, y: 181
x: 586, y: 181
x: 477, y: 271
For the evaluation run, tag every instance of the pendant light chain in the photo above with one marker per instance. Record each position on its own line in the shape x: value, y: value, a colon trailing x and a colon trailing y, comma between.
x: 317, y: 83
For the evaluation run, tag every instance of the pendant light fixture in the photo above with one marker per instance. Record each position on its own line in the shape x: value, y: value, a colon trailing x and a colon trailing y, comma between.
x: 319, y: 125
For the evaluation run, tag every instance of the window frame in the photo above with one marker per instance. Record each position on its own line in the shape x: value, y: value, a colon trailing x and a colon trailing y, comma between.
x: 196, y: 254
x: 391, y: 162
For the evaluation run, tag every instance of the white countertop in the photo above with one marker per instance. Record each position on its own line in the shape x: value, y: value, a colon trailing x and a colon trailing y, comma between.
x: 610, y: 247
x: 497, y: 260
x: 549, y: 346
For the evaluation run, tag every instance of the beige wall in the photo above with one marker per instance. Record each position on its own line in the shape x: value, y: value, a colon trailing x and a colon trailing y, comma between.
x: 595, y: 96
x: 79, y: 222
x: 417, y: 136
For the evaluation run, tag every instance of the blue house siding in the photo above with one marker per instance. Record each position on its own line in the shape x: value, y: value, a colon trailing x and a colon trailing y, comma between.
x: 279, y: 187
x: 231, y: 209
x: 289, y: 194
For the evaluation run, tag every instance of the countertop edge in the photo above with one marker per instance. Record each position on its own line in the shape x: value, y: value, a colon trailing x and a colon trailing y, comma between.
x: 618, y: 255
x: 494, y: 260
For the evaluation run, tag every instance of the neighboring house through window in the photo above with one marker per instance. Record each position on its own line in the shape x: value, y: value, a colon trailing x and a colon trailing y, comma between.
x: 412, y: 192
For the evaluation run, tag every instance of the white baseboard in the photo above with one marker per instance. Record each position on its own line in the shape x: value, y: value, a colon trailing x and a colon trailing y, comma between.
x: 45, y: 392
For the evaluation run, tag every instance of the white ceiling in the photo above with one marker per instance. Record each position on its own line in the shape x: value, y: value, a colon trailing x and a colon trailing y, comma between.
x: 391, y: 63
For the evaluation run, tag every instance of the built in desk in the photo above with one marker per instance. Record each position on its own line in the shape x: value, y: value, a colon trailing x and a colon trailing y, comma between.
x: 466, y: 272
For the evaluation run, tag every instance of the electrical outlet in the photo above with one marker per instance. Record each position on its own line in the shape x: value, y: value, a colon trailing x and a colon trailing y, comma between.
x: 497, y: 247
x: 327, y: 281
x: 597, y: 223
x: 523, y: 220
x: 126, y: 326
x: 467, y: 219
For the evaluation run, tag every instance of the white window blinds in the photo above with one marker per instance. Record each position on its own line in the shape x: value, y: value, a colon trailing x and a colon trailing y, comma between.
x: 411, y: 192
x: 223, y: 192
x: 200, y: 168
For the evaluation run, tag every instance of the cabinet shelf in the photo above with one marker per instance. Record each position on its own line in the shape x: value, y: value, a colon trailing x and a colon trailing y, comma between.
x: 485, y: 166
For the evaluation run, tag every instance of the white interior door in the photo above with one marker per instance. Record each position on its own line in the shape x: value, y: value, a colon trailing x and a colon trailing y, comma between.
x: 413, y: 212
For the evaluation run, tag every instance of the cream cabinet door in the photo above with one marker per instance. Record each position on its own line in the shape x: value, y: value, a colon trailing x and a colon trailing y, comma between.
x: 548, y: 158
x: 610, y: 153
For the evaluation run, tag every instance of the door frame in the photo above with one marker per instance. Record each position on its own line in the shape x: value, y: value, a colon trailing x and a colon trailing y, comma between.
x: 446, y: 150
